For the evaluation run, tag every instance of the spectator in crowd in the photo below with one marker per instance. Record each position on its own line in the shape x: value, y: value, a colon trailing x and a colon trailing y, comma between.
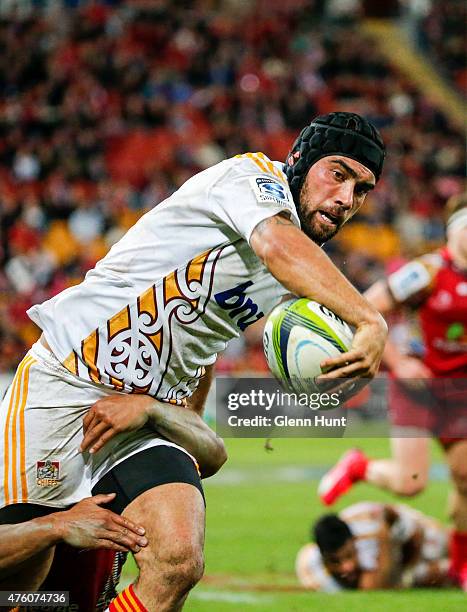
x: 445, y: 37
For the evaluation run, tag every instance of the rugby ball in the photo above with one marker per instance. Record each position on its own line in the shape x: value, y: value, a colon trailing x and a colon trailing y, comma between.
x: 299, y: 334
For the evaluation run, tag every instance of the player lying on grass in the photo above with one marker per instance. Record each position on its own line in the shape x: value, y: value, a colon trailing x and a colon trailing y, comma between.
x: 374, y: 546
x: 435, y: 286
x: 87, y: 529
x: 153, y: 315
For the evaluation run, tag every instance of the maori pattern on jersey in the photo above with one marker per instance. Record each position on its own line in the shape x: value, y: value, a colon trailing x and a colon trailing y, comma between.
x: 131, y: 353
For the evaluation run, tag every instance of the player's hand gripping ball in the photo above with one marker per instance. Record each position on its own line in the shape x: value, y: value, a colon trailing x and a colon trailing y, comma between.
x: 298, y: 336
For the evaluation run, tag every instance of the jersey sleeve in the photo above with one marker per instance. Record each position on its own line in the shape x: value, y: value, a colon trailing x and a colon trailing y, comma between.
x: 252, y: 190
x: 412, y: 284
x: 404, y: 527
x: 311, y: 571
x: 368, y: 553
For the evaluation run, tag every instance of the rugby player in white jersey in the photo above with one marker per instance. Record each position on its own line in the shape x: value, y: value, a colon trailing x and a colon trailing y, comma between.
x: 142, y: 332
x: 371, y: 545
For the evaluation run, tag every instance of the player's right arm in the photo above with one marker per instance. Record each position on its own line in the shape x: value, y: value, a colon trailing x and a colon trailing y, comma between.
x: 305, y: 270
x: 408, y: 286
x: 85, y: 525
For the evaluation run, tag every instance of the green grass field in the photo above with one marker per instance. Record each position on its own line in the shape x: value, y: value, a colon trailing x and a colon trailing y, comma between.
x: 259, y: 509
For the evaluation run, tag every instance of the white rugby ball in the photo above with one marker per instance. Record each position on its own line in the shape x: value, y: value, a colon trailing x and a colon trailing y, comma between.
x: 299, y: 334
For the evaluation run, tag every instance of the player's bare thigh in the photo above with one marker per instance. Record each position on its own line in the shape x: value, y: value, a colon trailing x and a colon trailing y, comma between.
x: 457, y: 459
x: 174, y: 518
x: 412, y: 456
x: 456, y: 456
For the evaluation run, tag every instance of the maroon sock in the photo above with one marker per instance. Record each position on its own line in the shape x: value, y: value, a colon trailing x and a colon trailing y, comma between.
x: 81, y: 572
x: 457, y: 553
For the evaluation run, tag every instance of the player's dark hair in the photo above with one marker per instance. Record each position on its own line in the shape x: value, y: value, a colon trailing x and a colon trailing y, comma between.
x: 346, y: 134
x: 330, y: 533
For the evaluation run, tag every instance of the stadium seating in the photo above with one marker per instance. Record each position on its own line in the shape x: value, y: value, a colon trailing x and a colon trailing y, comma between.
x: 443, y: 35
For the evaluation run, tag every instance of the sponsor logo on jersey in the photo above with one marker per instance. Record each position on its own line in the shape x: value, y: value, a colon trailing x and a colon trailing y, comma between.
x: 270, y: 191
x: 239, y: 306
x: 455, y: 331
x: 48, y: 473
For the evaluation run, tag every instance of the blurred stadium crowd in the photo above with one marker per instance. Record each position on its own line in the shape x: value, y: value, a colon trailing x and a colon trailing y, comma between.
x: 442, y: 34
x: 107, y: 107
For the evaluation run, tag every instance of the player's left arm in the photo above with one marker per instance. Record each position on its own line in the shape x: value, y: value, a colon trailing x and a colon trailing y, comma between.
x: 182, y: 425
x: 379, y: 577
x: 406, y: 530
x: 383, y: 297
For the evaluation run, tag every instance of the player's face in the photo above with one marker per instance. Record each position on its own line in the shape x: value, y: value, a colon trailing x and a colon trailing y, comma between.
x: 333, y: 191
x: 343, y: 564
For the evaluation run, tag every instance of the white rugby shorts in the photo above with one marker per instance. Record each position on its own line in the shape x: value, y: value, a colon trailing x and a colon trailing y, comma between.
x: 41, y: 427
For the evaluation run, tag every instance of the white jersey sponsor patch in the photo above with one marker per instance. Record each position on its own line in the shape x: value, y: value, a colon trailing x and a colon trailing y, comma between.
x: 271, y: 191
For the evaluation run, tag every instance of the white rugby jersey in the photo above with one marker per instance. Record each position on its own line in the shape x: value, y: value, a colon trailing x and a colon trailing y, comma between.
x: 183, y: 281
x: 365, y: 520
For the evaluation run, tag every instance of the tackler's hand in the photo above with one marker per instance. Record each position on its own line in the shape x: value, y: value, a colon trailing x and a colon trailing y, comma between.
x: 87, y: 525
x: 113, y: 415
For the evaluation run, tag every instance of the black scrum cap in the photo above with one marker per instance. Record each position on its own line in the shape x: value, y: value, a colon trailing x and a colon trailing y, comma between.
x: 344, y: 134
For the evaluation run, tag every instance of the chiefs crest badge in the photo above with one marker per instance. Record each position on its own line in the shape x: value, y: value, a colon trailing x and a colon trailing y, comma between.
x: 48, y: 473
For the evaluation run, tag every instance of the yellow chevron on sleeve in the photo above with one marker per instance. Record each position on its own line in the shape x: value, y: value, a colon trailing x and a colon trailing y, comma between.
x: 272, y: 168
x: 265, y: 165
x: 254, y: 158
